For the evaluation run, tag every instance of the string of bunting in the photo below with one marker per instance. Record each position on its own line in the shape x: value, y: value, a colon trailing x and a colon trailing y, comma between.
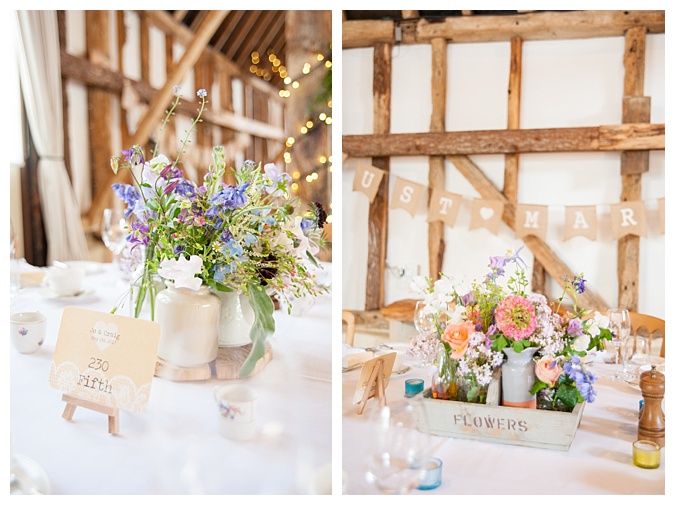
x: 627, y: 218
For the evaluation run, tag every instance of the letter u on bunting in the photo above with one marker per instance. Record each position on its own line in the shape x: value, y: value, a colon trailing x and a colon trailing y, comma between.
x: 531, y: 220
x: 581, y: 221
x: 444, y: 207
x: 629, y: 218
x: 486, y: 214
x: 406, y: 195
x: 367, y: 180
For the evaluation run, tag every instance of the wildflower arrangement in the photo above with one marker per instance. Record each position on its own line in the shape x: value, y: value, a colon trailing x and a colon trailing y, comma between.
x: 474, y: 327
x: 250, y: 237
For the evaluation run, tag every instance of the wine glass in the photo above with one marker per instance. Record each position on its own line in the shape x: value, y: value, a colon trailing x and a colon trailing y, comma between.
x: 423, y: 320
x: 114, y: 230
x: 633, y: 355
x: 619, y: 325
x: 400, y: 446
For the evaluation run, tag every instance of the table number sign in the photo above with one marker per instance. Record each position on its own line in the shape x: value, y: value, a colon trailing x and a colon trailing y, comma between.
x: 374, y: 378
x: 105, y: 358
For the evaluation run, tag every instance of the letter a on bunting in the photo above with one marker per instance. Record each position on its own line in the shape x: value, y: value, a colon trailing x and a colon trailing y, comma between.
x: 581, y: 221
x: 367, y: 180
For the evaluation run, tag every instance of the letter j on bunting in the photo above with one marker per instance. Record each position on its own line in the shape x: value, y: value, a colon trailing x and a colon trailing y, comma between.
x: 531, y: 220
x: 406, y: 195
x: 367, y: 180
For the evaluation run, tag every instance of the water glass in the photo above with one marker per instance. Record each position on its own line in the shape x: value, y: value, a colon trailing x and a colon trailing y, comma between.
x: 398, y: 453
x: 619, y: 325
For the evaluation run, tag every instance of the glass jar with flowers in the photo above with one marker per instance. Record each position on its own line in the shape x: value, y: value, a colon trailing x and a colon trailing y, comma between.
x: 250, y: 239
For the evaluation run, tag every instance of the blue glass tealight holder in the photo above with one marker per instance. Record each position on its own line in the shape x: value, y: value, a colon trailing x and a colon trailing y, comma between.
x: 413, y: 387
x: 432, y: 477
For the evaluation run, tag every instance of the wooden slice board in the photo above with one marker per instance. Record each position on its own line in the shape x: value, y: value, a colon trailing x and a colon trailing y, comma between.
x: 227, y: 365
x: 230, y: 360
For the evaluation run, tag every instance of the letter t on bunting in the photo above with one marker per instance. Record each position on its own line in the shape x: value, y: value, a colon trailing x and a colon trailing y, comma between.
x: 629, y: 218
x: 367, y: 180
x: 531, y: 220
x: 486, y: 214
x: 444, y: 207
x: 406, y: 195
x: 581, y: 221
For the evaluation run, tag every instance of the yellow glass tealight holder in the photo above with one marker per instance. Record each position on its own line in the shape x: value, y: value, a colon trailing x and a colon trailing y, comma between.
x: 646, y: 454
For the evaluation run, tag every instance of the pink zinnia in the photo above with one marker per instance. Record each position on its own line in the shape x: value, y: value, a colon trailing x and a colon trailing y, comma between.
x: 515, y: 317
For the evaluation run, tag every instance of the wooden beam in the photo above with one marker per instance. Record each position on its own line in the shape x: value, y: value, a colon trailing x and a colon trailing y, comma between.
x: 181, y: 33
x: 553, y: 265
x: 546, y: 140
x: 366, y: 33
x: 379, y: 208
x: 528, y: 26
x: 161, y: 100
x: 436, y: 234
x: 632, y: 165
x: 144, y: 28
x: 73, y: 67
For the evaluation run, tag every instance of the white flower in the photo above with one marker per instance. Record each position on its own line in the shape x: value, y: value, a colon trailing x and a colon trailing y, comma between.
x: 601, y: 320
x: 158, y: 162
x: 418, y: 285
x: 458, y: 315
x: 182, y: 271
x: 581, y: 343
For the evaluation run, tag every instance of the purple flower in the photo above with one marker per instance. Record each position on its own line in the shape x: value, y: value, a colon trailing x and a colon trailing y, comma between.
x: 575, y: 328
x: 469, y: 299
x: 515, y: 257
x: 305, y: 224
x: 134, y: 155
x: 579, y: 284
x: 140, y: 233
x: 185, y: 188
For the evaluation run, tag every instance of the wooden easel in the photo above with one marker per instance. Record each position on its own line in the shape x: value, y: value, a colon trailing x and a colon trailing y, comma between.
x: 72, y: 402
x: 376, y: 376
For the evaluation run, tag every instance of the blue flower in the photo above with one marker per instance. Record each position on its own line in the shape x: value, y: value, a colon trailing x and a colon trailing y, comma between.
x: 201, y: 93
x: 579, y: 284
x: 231, y: 197
x: 129, y: 195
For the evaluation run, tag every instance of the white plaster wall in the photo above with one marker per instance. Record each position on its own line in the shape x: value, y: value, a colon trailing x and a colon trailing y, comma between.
x: 564, y: 84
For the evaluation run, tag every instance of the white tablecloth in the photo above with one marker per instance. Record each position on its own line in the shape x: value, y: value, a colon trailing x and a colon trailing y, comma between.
x: 599, y: 460
x: 174, y: 446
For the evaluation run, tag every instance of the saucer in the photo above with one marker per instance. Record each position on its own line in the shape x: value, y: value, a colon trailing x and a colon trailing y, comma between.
x: 29, y: 477
x: 402, y: 371
x: 78, y: 296
x: 89, y: 267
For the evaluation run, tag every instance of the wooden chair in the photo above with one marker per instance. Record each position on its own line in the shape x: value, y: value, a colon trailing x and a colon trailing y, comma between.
x: 349, y: 318
x: 649, y: 326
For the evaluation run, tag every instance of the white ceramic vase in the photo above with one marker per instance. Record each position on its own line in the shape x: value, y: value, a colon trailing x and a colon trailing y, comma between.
x: 518, y: 378
x: 236, y: 319
x: 189, y: 325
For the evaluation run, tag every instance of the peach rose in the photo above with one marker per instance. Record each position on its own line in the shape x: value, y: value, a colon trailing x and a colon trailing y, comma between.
x: 547, y: 373
x: 457, y: 335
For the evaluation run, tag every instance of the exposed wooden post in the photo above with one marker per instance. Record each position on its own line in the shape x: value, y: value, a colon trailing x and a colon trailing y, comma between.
x: 553, y: 265
x: 633, y: 164
x: 144, y: 29
x: 439, y: 51
x: 100, y: 110
x: 379, y: 208
x: 121, y: 40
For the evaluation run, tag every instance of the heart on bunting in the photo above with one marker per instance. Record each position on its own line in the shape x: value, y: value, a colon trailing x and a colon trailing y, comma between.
x: 486, y: 213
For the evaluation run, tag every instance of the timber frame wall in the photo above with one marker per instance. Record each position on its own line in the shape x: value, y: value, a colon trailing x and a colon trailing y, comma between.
x: 210, y: 68
x: 634, y: 138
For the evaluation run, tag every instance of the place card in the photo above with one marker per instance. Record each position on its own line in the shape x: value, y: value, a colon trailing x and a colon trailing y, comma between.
x: 105, y: 358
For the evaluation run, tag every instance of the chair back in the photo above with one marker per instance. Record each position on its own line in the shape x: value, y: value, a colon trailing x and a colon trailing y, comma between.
x: 349, y: 318
x: 649, y: 326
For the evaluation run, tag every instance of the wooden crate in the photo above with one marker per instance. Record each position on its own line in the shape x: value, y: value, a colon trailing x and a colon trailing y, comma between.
x: 503, y: 425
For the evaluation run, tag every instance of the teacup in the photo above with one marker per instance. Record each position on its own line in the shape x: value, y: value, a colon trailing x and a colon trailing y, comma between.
x: 237, y: 411
x: 27, y: 331
x: 65, y: 281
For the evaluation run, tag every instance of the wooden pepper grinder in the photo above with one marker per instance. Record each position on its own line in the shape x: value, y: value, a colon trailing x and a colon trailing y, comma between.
x: 652, y: 423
